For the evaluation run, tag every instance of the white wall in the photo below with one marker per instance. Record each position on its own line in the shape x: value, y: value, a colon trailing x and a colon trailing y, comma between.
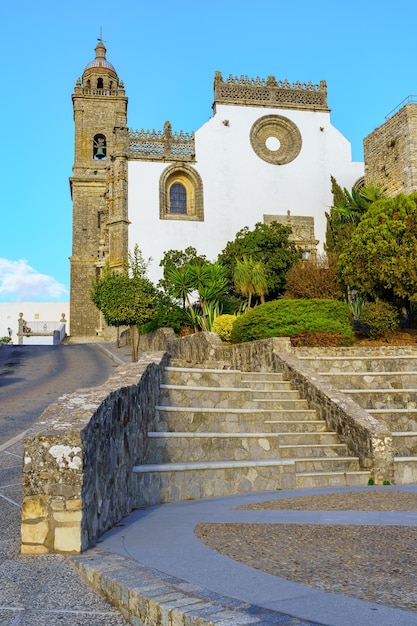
x: 238, y: 186
x: 32, y: 311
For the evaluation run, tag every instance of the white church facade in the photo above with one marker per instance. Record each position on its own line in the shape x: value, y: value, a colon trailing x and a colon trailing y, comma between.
x: 267, y: 153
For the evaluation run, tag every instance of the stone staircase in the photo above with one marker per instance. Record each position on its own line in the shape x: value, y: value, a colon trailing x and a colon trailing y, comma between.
x: 384, y: 383
x: 219, y: 432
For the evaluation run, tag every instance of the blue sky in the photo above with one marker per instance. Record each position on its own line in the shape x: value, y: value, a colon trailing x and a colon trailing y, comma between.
x: 167, y: 53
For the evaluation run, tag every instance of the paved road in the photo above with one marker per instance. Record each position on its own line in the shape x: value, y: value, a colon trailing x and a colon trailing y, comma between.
x: 38, y: 590
x: 32, y: 377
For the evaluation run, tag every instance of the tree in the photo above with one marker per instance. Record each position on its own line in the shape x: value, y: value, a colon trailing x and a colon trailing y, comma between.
x: 178, y: 259
x: 250, y: 278
x: 127, y: 297
x: 347, y: 211
x: 204, y: 283
x: 380, y: 260
x: 267, y: 243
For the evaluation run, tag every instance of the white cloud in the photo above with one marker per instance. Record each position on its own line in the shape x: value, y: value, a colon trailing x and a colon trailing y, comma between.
x: 20, y: 282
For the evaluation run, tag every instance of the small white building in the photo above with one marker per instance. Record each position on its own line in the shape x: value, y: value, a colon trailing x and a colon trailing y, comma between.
x: 39, y: 316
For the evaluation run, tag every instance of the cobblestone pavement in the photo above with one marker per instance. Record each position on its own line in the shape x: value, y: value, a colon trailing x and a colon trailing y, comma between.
x: 373, y: 563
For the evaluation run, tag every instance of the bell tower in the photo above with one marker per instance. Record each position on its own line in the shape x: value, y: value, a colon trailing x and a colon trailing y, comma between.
x: 98, y: 185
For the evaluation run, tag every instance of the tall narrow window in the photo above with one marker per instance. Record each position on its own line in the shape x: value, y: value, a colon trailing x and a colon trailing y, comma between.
x: 178, y: 199
x: 99, y: 83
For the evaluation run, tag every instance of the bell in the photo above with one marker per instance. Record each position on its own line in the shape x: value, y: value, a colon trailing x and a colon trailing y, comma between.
x: 100, y: 153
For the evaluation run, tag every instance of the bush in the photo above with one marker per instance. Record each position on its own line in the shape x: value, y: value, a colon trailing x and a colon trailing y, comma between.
x: 379, y: 319
x: 222, y: 325
x: 315, y: 278
x: 286, y: 318
x: 168, y: 314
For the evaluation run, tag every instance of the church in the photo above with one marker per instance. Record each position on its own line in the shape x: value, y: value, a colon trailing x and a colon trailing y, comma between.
x: 267, y: 153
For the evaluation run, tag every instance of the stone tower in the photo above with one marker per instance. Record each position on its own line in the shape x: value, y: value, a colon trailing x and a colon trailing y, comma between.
x: 391, y: 151
x: 98, y: 185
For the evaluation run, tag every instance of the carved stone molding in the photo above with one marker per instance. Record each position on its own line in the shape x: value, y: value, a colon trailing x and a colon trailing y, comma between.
x: 279, y: 128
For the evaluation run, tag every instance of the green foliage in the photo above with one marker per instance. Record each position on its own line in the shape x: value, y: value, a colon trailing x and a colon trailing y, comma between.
x: 178, y: 259
x: 168, y: 314
x: 371, y: 482
x: 223, y: 325
x: 285, y: 318
x: 379, y: 318
x: 267, y: 243
x: 204, y: 281
x: 126, y: 298
x: 346, y: 212
x: 380, y: 259
x: 250, y: 278
x: 315, y: 278
x: 5, y: 339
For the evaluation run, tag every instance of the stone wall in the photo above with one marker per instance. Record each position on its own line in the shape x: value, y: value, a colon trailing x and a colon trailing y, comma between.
x: 391, y: 153
x: 77, y: 475
x: 365, y: 436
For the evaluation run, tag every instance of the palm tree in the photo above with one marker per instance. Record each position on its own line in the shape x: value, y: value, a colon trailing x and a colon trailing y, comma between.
x: 250, y: 279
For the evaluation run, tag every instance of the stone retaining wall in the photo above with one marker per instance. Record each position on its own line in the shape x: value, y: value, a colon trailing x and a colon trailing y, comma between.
x: 77, y: 475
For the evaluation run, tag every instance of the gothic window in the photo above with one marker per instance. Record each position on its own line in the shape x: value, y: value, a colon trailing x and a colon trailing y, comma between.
x: 178, y: 199
x: 181, y: 194
x: 99, y: 148
x: 99, y: 83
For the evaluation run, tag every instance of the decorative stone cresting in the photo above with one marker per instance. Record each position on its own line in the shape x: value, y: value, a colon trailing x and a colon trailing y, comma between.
x: 77, y: 474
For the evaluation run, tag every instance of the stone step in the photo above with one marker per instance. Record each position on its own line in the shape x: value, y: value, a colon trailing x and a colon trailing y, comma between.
x: 176, y: 482
x: 405, y: 443
x: 201, y: 377
x: 269, y: 405
x: 267, y: 385
x: 319, y: 451
x: 405, y: 470
x: 262, y: 376
x: 179, y: 447
x: 236, y: 420
x: 364, y: 363
x: 178, y: 395
x: 308, y: 480
x: 383, y: 398
x: 371, y: 380
x: 397, y: 419
x: 326, y: 465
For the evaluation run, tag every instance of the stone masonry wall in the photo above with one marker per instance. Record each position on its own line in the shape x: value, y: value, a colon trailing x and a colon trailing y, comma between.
x: 77, y: 475
x: 391, y: 153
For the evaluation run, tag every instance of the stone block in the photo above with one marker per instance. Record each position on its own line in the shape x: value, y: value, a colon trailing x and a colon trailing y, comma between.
x: 35, y: 507
x: 35, y: 533
x: 67, y: 539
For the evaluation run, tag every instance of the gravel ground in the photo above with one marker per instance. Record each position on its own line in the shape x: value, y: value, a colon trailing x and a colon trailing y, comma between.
x: 373, y: 563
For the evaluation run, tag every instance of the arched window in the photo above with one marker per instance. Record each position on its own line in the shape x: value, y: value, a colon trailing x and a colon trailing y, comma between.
x: 99, y: 148
x: 99, y: 83
x: 181, y: 194
x: 178, y: 199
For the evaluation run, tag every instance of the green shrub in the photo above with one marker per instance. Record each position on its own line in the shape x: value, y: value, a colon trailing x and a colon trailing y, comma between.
x: 222, y: 325
x: 5, y: 339
x: 285, y: 318
x: 379, y: 319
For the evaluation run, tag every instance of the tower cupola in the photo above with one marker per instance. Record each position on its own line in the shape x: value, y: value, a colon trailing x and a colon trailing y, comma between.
x: 99, y: 73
